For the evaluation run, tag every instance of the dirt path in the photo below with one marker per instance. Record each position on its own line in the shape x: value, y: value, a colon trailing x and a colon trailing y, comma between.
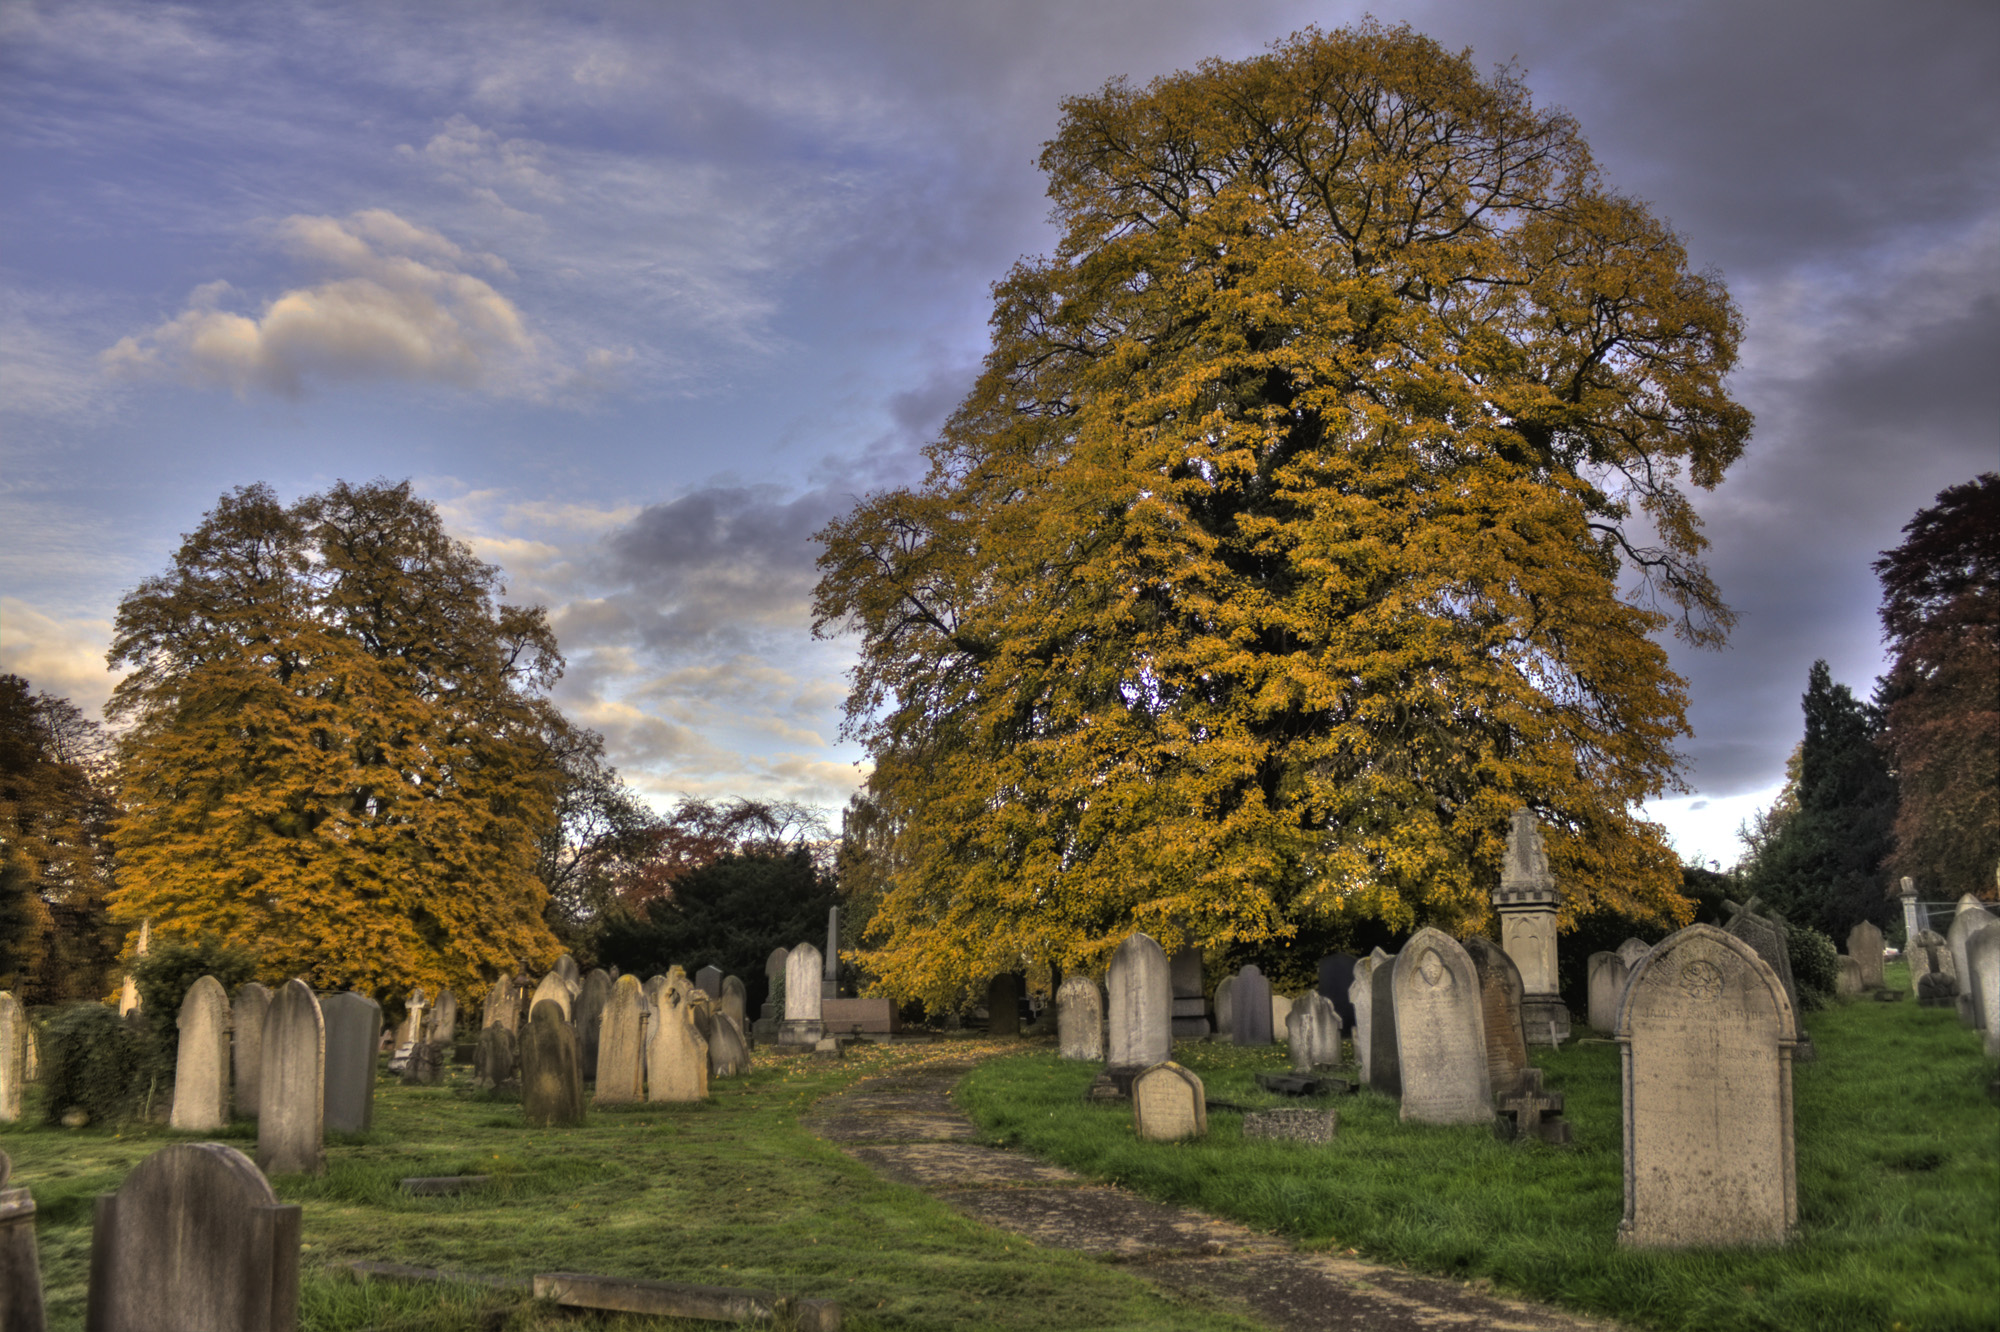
x: 906, y: 1126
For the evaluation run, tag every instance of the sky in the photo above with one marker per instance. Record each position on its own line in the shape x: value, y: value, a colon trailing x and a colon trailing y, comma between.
x: 642, y: 295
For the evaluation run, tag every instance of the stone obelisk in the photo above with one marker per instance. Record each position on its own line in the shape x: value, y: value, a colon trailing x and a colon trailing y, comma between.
x: 1526, y: 901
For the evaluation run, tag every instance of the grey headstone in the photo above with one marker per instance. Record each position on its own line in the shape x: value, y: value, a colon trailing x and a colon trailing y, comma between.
x: 551, y: 1070
x: 424, y: 1065
x: 1500, y: 1011
x: 353, y: 1039
x: 1631, y: 951
x: 1003, y: 1005
x: 1969, y: 917
x: 194, y: 1241
x: 13, y: 1057
x: 734, y: 1000
x: 709, y: 981
x: 1385, y: 1068
x: 1605, y: 979
x: 587, y: 1014
x: 803, y: 973
x: 1982, y: 959
x: 291, y: 1111
x: 553, y: 988
x: 201, y: 1061
x: 1140, y: 1005
x: 1225, y: 1007
x: 1190, y: 998
x: 441, y: 1026
x: 1168, y: 1102
x: 1847, y: 976
x: 1312, y: 1031
x: 1864, y: 945
x: 1250, y: 1023
x: 411, y: 1029
x: 1767, y: 937
x: 503, y: 1006
x: 246, y: 1018
x: 728, y: 1051
x: 1336, y: 978
x: 496, y: 1059
x: 1440, y: 1033
x: 1080, y: 1019
x: 621, y: 1050
x: 1707, y: 1030
x: 676, y: 1055
x: 1929, y: 954
x: 21, y: 1304
x: 830, y: 976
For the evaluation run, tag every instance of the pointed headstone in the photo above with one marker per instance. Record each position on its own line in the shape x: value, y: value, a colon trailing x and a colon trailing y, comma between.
x: 566, y: 968
x: 1080, y: 1019
x: 1526, y: 901
x: 1140, y: 1005
x: 291, y: 1085
x: 1440, y: 1033
x: 246, y: 1017
x: 1864, y: 945
x: 201, y: 1062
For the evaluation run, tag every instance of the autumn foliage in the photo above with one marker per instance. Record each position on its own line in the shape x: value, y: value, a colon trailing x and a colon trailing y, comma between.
x: 1277, y: 554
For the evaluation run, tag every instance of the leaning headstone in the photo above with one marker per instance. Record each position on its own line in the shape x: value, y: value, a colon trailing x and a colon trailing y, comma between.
x: 503, y: 1005
x: 1250, y: 1018
x: 1336, y: 978
x: 734, y: 1001
x: 1929, y: 954
x: 554, y: 989
x: 291, y: 1085
x: 1969, y: 917
x: 20, y: 1264
x: 1982, y: 959
x: 194, y: 1241
x: 201, y: 1064
x: 441, y: 1027
x: 1605, y: 981
x: 587, y: 1015
x: 1225, y: 1007
x: 1003, y: 1005
x: 1526, y: 900
x: 496, y: 1059
x: 353, y: 1039
x: 566, y: 968
x: 246, y: 1017
x: 676, y: 1055
x: 551, y: 1070
x: 1140, y: 1005
x: 709, y: 981
x: 13, y: 1057
x: 1080, y: 1019
x: 1312, y: 1030
x: 728, y: 1051
x: 1864, y: 945
x: 621, y: 1052
x: 1707, y: 1031
x: 1766, y: 935
x: 1440, y: 1034
x: 1500, y: 1012
x: 803, y: 974
x: 1168, y: 1103
x: 1847, y: 980
x: 1385, y: 1068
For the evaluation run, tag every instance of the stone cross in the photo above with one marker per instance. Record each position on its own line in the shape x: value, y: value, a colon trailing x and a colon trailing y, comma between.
x: 246, y: 1018
x: 353, y: 1039
x: 1080, y: 1019
x: 291, y: 1084
x: 1168, y: 1103
x: 1706, y: 1032
x: 1526, y: 1111
x: 551, y: 1070
x: 20, y: 1265
x: 1440, y: 1032
x: 194, y: 1241
x: 621, y: 1054
x: 13, y: 1057
x: 414, y: 1005
x: 1526, y: 900
x: 201, y: 1064
x: 1140, y: 1004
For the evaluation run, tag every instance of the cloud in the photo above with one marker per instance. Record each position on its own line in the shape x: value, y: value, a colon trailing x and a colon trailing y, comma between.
x: 397, y: 306
x: 57, y: 655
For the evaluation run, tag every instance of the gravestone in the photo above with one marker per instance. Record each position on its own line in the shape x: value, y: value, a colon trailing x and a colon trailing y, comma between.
x: 1526, y: 900
x: 1982, y: 959
x: 1385, y: 1065
x: 1631, y: 951
x: 555, y: 990
x: 1139, y: 1006
x: 353, y: 1039
x: 1864, y: 945
x: 728, y: 1051
x: 1250, y: 1019
x: 1281, y: 1008
x: 1527, y: 1111
x: 1932, y: 974
x: 702, y: 1013
x: 1336, y: 978
x: 1168, y: 1103
x: 1080, y: 1019
x: 735, y: 1002
x: 21, y: 1304
x: 1313, y: 1126
x: 709, y: 981
x: 774, y: 978
x: 496, y: 1059
x: 830, y: 960
x: 246, y: 1018
x: 1003, y: 1005
x: 441, y: 1027
x: 803, y: 973
x: 1190, y: 998
x: 1706, y: 1032
x: 1605, y: 979
x: 1847, y: 980
x: 621, y: 1050
x: 13, y: 1057
x: 1225, y: 1007
x: 291, y: 1085
x: 1766, y: 937
x: 503, y: 1006
x: 566, y: 968
x: 1969, y: 917
x: 678, y: 982
x: 1312, y: 1030
x: 1499, y: 1012
x: 411, y: 1029
x: 551, y: 1070
x: 424, y: 1066
x: 676, y: 1055
x: 201, y: 1063
x: 589, y: 1013
x: 194, y: 1241
x: 1912, y: 926
x: 1440, y: 1034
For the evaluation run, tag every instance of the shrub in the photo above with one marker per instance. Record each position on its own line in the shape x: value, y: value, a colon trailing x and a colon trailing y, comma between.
x: 95, y: 1061
x: 166, y: 973
x: 1815, y: 965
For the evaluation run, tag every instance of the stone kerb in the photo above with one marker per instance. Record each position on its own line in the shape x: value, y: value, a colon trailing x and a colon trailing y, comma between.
x: 1312, y: 1031
x: 1140, y: 1004
x: 201, y: 1064
x: 676, y: 1055
x: 13, y: 1056
x: 1605, y: 976
x: 291, y: 1117
x: 1080, y: 1019
x: 1500, y: 996
x: 353, y: 1040
x: 194, y: 1241
x: 621, y: 1050
x: 1168, y: 1104
x: 1864, y: 945
x: 1440, y: 1032
x: 1982, y: 960
x: 246, y: 1019
x: 1706, y: 1031
x: 554, y: 989
x: 1250, y: 1022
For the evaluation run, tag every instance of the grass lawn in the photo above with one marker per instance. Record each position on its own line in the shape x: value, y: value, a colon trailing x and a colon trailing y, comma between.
x: 732, y: 1192
x: 1898, y: 1174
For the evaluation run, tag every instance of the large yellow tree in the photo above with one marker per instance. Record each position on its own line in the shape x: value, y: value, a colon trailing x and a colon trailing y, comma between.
x: 335, y: 751
x: 1318, y: 505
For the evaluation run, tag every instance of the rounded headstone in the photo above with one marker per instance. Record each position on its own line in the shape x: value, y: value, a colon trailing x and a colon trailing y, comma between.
x: 201, y: 1062
x: 291, y: 1110
x: 1140, y: 1005
x: 246, y: 1016
x: 1440, y: 1032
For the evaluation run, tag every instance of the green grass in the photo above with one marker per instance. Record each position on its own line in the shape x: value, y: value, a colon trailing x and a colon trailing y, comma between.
x: 1898, y: 1153
x: 732, y: 1192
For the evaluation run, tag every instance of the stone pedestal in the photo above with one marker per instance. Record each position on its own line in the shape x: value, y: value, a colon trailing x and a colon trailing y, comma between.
x: 1526, y: 901
x: 1912, y: 927
x: 1190, y: 1009
x: 800, y: 1031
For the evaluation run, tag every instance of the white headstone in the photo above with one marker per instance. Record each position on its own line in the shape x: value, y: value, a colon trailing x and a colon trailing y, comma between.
x: 201, y: 1062
x: 804, y: 970
x: 1140, y: 1007
x: 1440, y: 1033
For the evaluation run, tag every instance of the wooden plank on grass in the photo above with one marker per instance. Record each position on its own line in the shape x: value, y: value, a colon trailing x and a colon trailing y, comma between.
x: 579, y: 1290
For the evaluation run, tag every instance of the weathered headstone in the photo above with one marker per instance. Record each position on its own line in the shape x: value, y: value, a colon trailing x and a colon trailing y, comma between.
x: 803, y: 973
x: 709, y: 981
x: 441, y: 1027
x: 1250, y: 1018
x: 1281, y: 1008
x: 551, y: 1070
x: 1766, y: 936
x: 201, y: 1063
x: 566, y: 968
x: 411, y: 1029
x: 1184, y: 972
x: 621, y: 1052
x: 1847, y: 980
x: 1500, y: 1012
x: 1970, y: 916
x: 1631, y: 951
x: 1912, y: 926
x: 1225, y: 1007
x: 194, y: 1241
x: 1385, y: 1065
x: 353, y: 1039
x: 679, y: 982
x: 553, y: 988
x: 1080, y: 1019
x: 1527, y: 1111
x: 735, y: 1001
x: 1864, y: 945
x: 21, y: 1304
x: 1140, y: 1004
x: 774, y: 979
x: 13, y: 1057
x: 1982, y: 959
x: 1003, y: 1005
x: 423, y: 1066
x: 1440, y: 1033
x: 496, y: 1059
x: 1526, y: 900
x: 1933, y: 974
x: 503, y: 1005
x: 1336, y: 978
x: 701, y: 1012
x: 1707, y: 1031
x: 1312, y: 1031
x: 1605, y: 981
x: 246, y: 1017
x: 676, y: 1055
x: 728, y: 1051
x: 291, y: 1085
x: 1168, y: 1103
x: 587, y: 1015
